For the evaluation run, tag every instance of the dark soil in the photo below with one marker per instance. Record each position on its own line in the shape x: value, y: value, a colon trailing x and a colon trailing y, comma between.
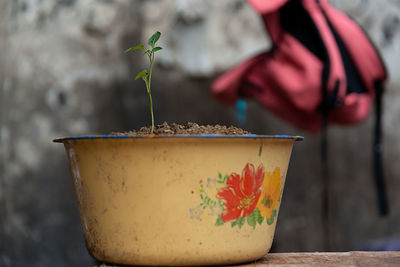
x: 189, y: 129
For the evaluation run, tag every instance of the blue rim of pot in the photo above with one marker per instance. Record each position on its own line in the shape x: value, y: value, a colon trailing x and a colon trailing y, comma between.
x: 203, y: 136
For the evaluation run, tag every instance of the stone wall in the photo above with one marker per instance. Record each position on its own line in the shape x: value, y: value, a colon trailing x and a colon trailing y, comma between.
x: 63, y: 72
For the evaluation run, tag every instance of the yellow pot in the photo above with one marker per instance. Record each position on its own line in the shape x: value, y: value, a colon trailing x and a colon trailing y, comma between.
x: 182, y: 200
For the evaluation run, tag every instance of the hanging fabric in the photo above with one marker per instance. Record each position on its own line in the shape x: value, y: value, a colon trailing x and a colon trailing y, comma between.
x: 322, y: 69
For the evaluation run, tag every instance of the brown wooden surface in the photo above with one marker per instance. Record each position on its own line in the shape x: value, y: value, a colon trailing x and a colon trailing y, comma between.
x: 354, y: 258
x: 330, y: 259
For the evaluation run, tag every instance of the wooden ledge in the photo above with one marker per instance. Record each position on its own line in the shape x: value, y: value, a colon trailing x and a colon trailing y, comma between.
x: 353, y: 258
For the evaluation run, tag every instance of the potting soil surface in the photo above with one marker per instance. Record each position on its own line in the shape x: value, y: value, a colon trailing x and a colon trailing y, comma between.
x: 190, y: 128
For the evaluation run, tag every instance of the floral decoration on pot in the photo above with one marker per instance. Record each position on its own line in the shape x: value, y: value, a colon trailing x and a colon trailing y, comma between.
x: 251, y: 197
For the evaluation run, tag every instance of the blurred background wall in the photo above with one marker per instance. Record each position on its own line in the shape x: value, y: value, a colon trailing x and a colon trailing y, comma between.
x: 63, y: 72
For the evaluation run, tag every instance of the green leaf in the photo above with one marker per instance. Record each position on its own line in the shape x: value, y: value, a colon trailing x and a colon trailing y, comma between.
x: 153, y: 39
x: 148, y: 52
x: 241, y: 222
x: 221, y: 204
x: 155, y: 49
x: 219, y: 221
x: 134, y: 48
x: 267, y: 201
x: 272, y: 218
x: 233, y: 224
x: 259, y: 218
x: 226, y: 178
x: 252, y: 219
x: 141, y: 74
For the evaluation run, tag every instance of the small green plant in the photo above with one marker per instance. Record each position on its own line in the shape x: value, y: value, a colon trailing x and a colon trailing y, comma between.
x: 146, y: 74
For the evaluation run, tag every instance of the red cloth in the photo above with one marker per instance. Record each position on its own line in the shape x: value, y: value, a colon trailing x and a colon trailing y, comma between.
x: 288, y: 79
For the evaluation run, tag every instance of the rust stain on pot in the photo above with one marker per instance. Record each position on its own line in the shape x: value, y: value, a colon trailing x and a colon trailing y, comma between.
x: 123, y: 185
x: 93, y: 242
x: 174, y: 181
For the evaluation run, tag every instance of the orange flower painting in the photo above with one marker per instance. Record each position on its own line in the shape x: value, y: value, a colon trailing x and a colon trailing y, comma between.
x: 270, y: 193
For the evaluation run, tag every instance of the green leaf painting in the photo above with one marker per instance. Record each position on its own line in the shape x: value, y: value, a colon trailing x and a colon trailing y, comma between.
x: 219, y: 221
x: 239, y: 222
x: 258, y: 216
x: 252, y: 219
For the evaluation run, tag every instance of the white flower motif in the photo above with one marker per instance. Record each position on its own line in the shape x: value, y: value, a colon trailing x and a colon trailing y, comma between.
x: 195, y: 213
x: 215, y: 210
x: 211, y: 183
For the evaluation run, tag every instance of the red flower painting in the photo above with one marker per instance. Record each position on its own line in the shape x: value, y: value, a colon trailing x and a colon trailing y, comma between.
x: 241, y: 194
